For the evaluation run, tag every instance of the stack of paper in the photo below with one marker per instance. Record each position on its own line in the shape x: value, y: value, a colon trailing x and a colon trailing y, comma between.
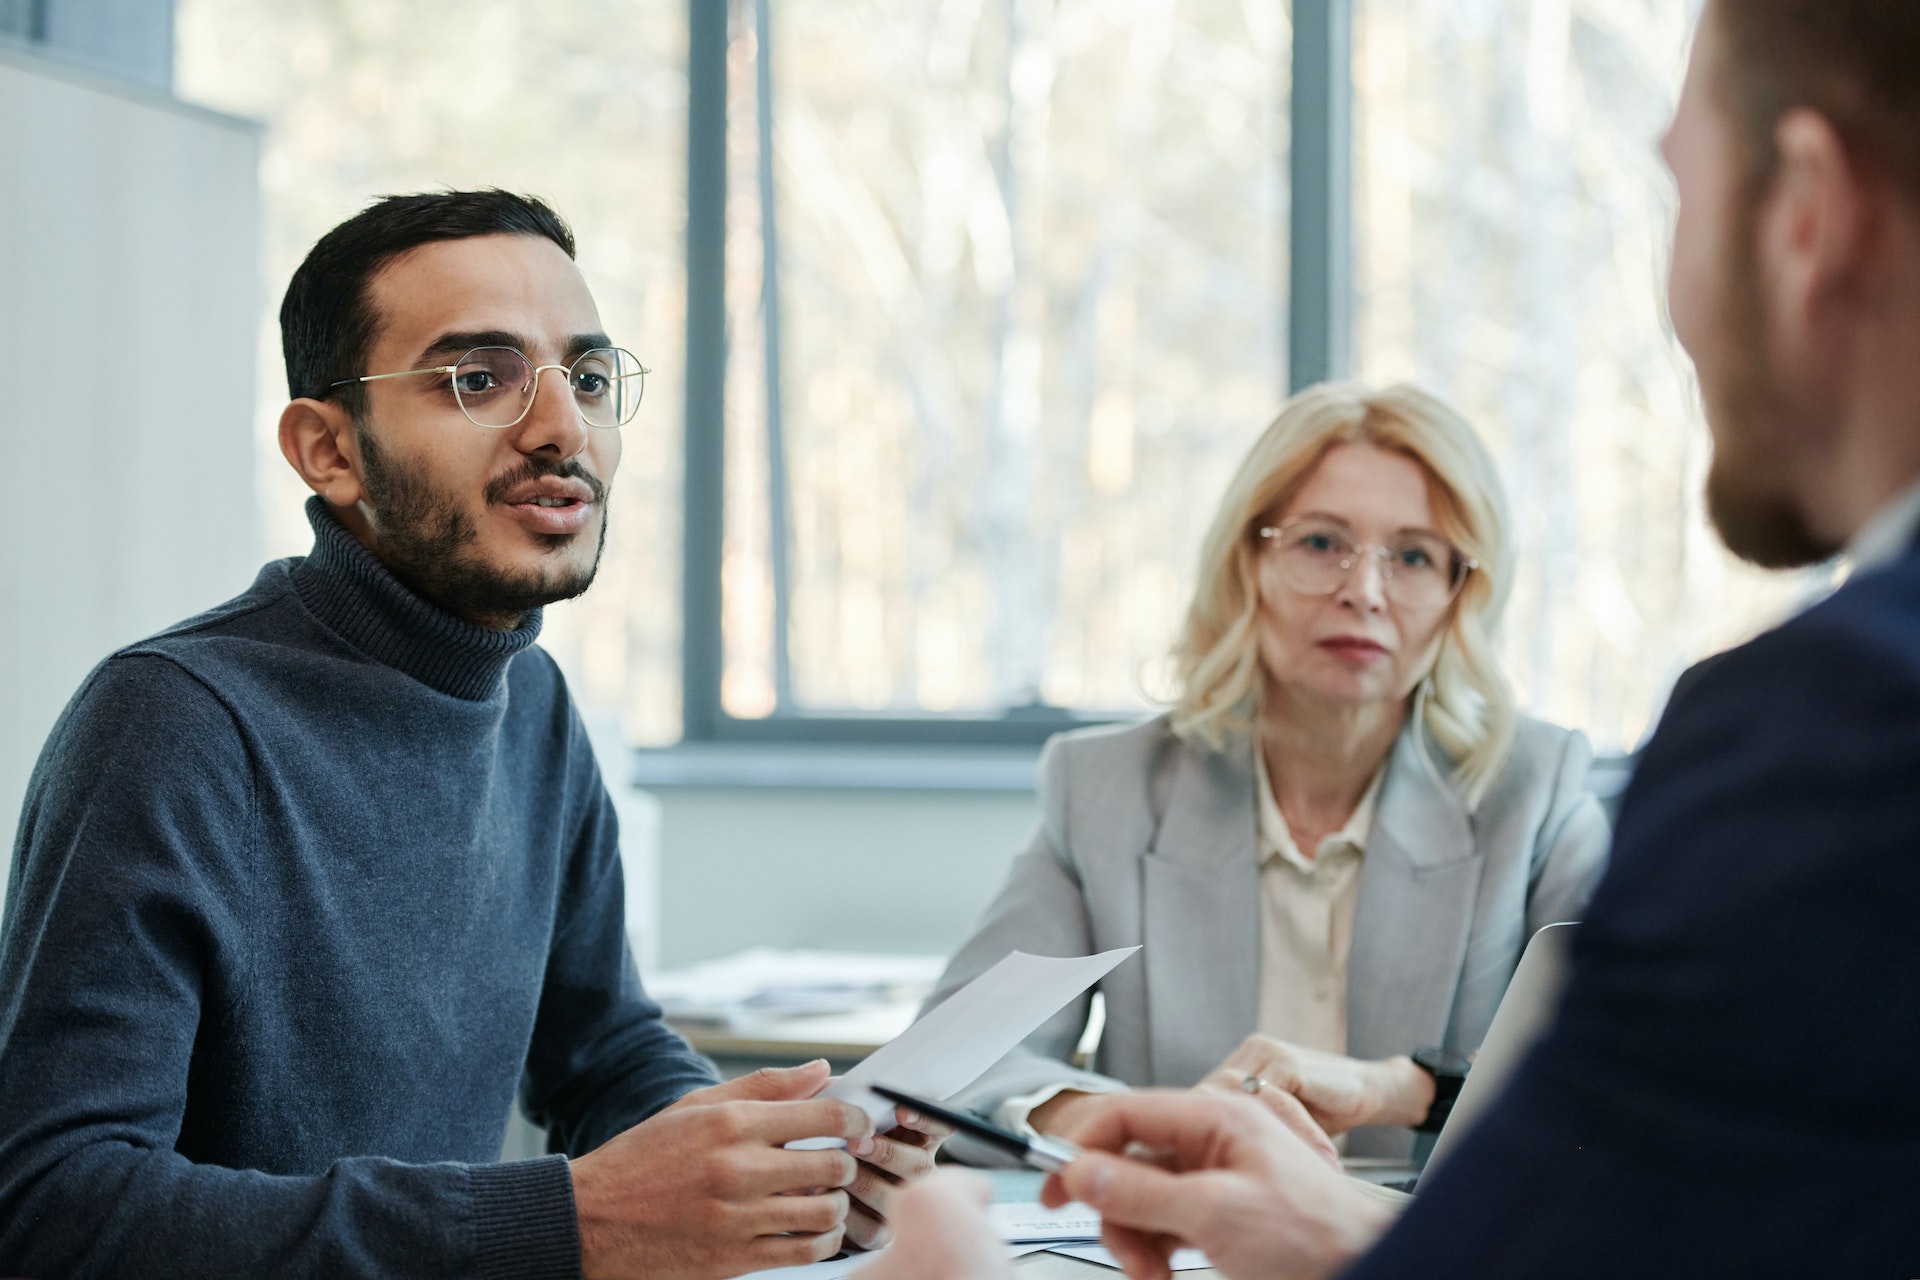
x: 764, y: 983
x: 1183, y: 1259
x: 1034, y: 1223
x: 1073, y: 1231
x: 850, y: 1263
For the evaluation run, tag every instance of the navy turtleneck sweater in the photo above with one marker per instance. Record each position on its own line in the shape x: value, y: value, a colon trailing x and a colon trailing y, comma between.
x: 304, y: 888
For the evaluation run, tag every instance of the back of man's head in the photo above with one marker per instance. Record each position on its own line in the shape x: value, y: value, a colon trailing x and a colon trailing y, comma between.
x: 1856, y: 62
x: 327, y: 320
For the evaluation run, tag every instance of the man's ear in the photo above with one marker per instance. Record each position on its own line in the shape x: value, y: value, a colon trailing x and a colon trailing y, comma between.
x: 1816, y: 228
x: 318, y: 440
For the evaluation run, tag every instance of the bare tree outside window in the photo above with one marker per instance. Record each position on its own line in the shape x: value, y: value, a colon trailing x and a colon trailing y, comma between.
x: 1513, y: 219
x: 582, y: 102
x: 1006, y: 295
x: 1031, y: 305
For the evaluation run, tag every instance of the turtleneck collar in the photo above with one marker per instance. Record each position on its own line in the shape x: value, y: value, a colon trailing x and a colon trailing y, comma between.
x: 355, y: 596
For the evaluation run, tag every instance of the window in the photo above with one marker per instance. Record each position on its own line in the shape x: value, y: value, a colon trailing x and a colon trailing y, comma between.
x: 126, y: 39
x: 583, y: 104
x: 988, y: 299
x: 1005, y: 301
x: 1511, y: 230
x: 20, y: 19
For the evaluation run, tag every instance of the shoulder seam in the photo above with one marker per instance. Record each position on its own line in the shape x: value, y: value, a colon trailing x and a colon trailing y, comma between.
x: 216, y: 616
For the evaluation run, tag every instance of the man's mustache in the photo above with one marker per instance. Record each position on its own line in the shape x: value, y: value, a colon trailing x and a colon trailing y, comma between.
x: 536, y: 469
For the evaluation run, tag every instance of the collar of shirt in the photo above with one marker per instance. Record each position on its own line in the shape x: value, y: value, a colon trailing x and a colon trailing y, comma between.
x: 1276, y: 838
x: 1885, y: 537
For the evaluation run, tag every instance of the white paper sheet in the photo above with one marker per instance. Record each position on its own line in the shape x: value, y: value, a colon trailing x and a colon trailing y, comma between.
x: 971, y: 1030
x: 1021, y: 1222
x: 831, y: 1269
x: 1183, y: 1259
x: 834, y: 1268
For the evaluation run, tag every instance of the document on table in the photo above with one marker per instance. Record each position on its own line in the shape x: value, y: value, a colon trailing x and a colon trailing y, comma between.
x: 834, y: 1268
x: 971, y: 1030
x: 1183, y: 1259
x: 765, y: 984
x: 1020, y: 1222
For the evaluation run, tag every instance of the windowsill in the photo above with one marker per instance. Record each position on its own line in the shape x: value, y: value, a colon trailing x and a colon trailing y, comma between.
x: 717, y: 766
x: 1004, y: 770
x: 39, y: 57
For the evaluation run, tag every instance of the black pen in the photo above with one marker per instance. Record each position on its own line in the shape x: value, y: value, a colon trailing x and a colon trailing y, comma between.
x: 1049, y: 1155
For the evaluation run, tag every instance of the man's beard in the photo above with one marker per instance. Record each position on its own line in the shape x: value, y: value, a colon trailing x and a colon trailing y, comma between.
x: 426, y: 538
x: 1748, y: 499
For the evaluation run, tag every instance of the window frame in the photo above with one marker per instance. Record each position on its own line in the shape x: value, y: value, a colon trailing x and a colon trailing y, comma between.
x: 24, y: 20
x: 1319, y: 336
x: 130, y: 40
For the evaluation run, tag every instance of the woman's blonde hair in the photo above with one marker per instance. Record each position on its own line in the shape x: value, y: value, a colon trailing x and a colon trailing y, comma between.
x: 1466, y: 706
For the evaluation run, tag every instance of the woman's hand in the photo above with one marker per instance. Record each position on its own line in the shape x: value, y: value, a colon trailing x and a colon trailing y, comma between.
x: 1055, y: 1115
x: 1339, y: 1093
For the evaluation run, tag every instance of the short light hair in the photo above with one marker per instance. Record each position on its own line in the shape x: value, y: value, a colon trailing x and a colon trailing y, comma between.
x: 1464, y: 701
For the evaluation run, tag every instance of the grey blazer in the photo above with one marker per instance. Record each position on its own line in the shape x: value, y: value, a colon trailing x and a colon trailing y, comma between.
x: 1145, y: 839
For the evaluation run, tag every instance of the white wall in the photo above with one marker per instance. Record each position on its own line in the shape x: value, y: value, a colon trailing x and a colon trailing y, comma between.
x: 853, y: 870
x: 129, y: 293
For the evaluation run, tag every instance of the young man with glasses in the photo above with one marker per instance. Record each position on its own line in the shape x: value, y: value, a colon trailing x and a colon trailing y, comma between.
x: 306, y: 887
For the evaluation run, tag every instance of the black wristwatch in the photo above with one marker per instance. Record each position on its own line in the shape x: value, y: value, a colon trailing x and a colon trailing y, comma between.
x: 1449, y: 1072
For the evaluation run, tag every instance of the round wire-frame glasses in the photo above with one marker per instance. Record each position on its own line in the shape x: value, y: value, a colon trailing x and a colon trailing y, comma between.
x: 495, y: 386
x: 1418, y: 571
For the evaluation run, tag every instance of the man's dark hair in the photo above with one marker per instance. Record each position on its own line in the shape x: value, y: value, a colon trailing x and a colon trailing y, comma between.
x: 327, y: 321
x: 1856, y: 62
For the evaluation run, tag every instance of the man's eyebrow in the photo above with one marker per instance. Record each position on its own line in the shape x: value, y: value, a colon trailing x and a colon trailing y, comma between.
x: 448, y: 345
x: 459, y: 342
x: 581, y: 343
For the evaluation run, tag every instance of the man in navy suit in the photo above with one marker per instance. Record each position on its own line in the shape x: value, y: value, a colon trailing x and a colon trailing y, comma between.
x: 1728, y: 1088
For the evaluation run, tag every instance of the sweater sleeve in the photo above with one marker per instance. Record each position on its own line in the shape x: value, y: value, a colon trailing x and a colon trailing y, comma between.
x: 602, y: 1060
x: 124, y: 940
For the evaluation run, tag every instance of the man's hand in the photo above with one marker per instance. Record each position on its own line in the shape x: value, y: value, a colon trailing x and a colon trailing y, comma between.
x: 1339, y: 1093
x: 1226, y: 1177
x: 706, y: 1190
x: 887, y: 1162
x: 943, y: 1233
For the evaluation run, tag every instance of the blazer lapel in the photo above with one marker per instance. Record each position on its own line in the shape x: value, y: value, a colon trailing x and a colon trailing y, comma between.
x: 1419, y: 884
x: 1201, y: 912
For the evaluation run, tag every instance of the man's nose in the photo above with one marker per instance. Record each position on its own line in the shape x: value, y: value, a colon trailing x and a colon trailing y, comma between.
x: 553, y: 422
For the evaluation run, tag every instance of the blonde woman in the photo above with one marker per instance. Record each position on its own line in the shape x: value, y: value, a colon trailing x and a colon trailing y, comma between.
x: 1336, y: 843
